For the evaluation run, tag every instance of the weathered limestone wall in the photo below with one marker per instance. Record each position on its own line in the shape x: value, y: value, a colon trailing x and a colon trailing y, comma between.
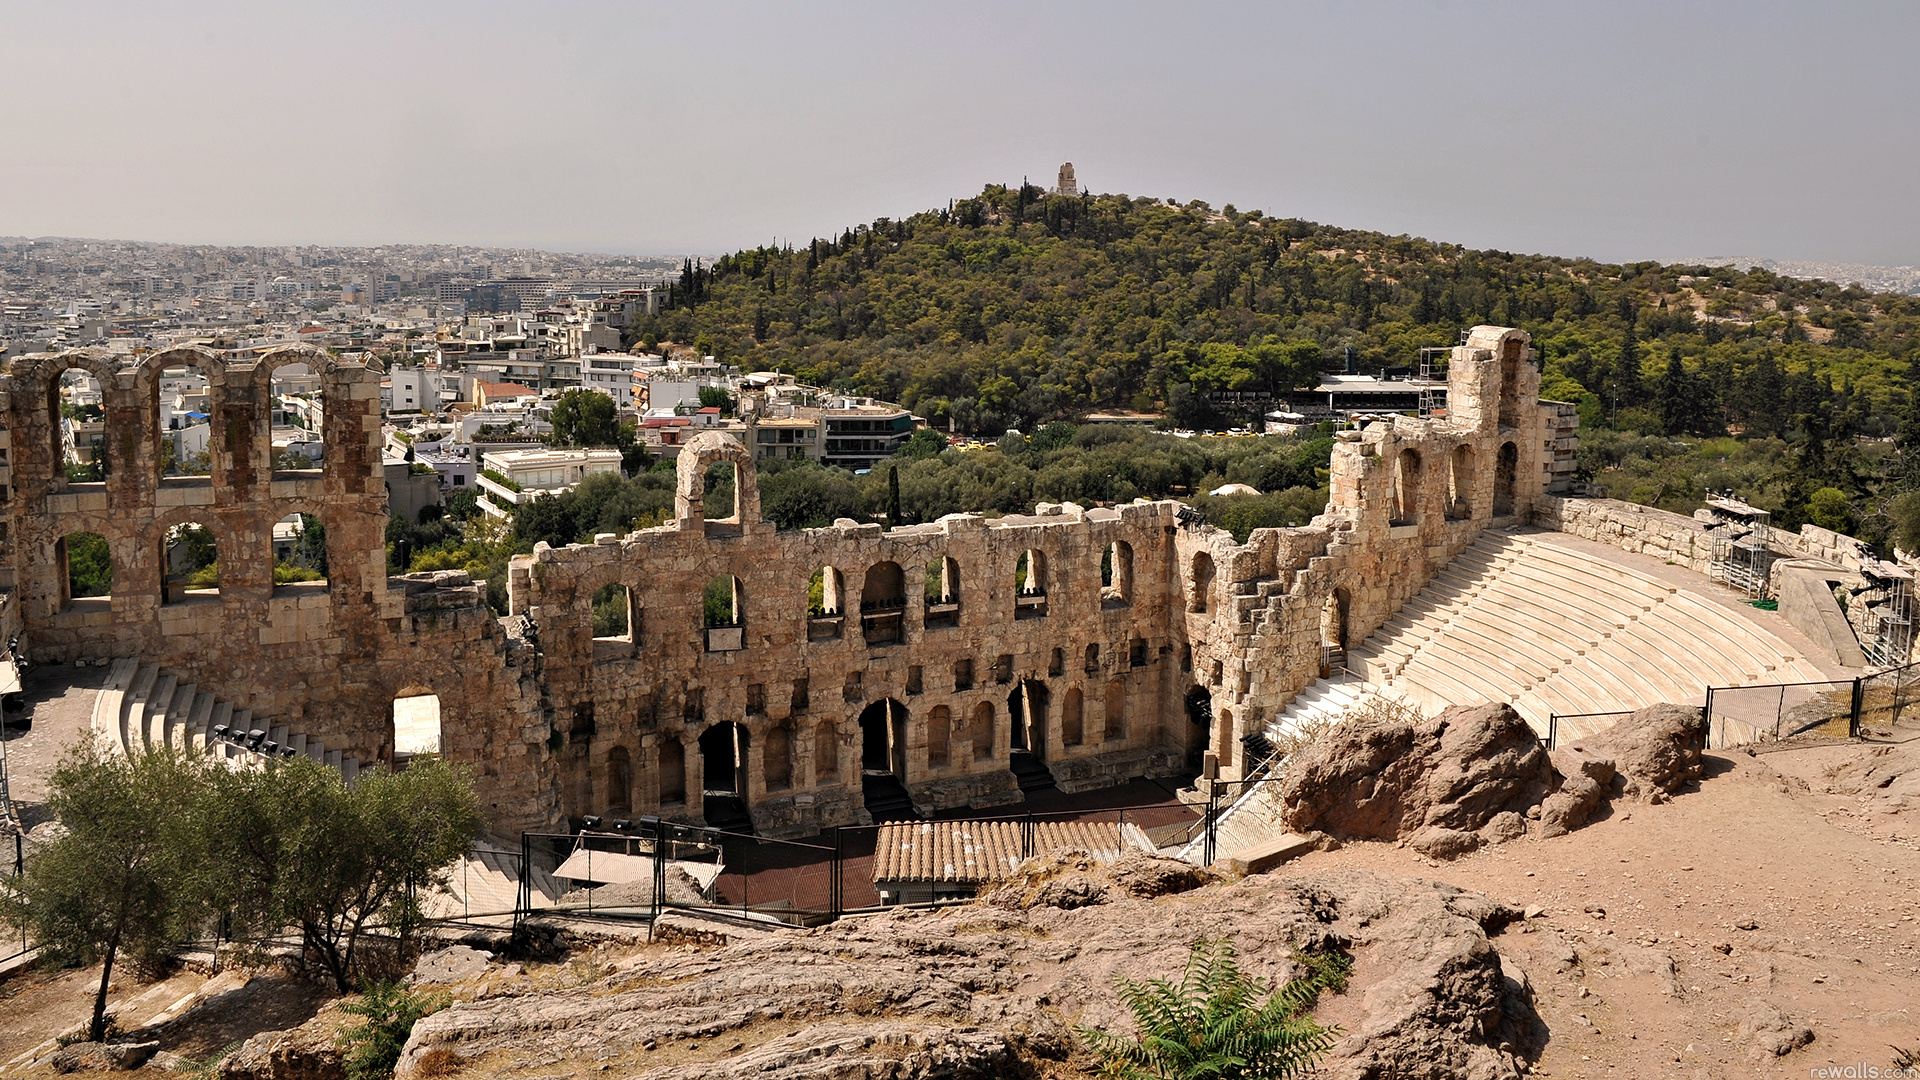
x: 1100, y: 666
x: 1643, y: 530
x: 1407, y: 495
x: 326, y: 658
x: 1683, y: 540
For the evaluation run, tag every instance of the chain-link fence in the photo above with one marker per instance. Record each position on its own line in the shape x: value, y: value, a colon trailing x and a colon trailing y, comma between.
x: 1740, y: 715
x: 1887, y: 697
x: 657, y: 866
x: 1840, y: 708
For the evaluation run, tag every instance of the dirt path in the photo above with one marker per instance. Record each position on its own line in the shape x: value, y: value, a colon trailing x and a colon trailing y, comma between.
x: 60, y: 702
x: 1685, y: 918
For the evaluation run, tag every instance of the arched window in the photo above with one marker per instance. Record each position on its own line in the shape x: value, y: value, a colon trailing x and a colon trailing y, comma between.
x: 673, y: 772
x: 826, y: 752
x: 943, y: 594
x: 619, y: 781
x: 181, y: 412
x: 722, y: 491
x: 980, y: 730
x: 86, y: 563
x: 939, y: 731
x: 883, y: 604
x: 189, y: 564
x: 722, y: 608
x: 1114, y: 725
x: 300, y: 553
x: 1406, y: 488
x: 76, y: 414
x: 416, y: 725
x: 776, y: 758
x: 1460, y: 483
x: 826, y: 605
x: 1093, y: 659
x: 962, y: 675
x: 1506, y: 472
x: 1202, y: 583
x: 297, y: 440
x: 1116, y: 575
x: 1030, y: 585
x: 1073, y: 718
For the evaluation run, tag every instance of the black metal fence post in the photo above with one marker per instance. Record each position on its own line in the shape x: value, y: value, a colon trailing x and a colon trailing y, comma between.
x: 523, y: 897
x: 836, y: 891
x: 659, y: 829
x: 1213, y: 815
x: 1859, y: 698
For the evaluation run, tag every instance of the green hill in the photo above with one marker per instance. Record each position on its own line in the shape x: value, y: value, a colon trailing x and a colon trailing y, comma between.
x: 1015, y: 308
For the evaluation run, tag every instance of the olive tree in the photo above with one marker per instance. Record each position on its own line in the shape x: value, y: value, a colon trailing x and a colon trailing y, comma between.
x: 302, y: 849
x: 125, y: 876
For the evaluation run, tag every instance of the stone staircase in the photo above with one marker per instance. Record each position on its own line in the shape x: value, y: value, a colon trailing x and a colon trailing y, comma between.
x: 1542, y: 626
x: 1551, y: 630
x: 143, y: 708
x: 1253, y: 818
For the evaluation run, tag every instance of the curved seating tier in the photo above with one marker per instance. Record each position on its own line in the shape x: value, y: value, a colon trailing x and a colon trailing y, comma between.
x: 142, y: 707
x: 1524, y: 620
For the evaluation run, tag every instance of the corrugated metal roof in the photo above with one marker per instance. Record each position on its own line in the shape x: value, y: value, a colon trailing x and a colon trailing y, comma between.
x: 981, y: 851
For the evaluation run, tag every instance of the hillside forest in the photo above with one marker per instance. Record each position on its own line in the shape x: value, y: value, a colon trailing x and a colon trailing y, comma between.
x: 1019, y: 311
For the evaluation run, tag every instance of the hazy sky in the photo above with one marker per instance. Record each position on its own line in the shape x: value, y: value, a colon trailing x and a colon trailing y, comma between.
x: 1617, y: 130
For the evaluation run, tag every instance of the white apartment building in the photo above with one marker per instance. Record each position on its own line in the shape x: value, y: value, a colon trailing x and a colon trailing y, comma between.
x: 611, y: 373
x: 509, y: 478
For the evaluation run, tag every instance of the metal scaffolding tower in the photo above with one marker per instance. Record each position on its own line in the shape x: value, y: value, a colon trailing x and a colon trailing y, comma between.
x: 1886, y: 618
x: 1742, y: 556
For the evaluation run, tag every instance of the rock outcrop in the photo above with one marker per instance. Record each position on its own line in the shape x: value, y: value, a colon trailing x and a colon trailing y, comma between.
x: 1439, y: 783
x: 308, y: 1052
x: 1476, y: 774
x: 990, y: 989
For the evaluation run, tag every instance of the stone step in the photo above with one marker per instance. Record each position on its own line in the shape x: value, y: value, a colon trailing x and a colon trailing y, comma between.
x: 154, y: 715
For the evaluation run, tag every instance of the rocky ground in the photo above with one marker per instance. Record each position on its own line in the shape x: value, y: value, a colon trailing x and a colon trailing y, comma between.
x: 1758, y: 922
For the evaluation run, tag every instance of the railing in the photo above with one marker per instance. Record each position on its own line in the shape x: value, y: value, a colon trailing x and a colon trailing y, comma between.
x: 643, y: 868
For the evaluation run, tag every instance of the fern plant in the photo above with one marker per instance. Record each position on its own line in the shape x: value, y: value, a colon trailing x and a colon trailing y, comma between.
x: 1214, y: 1025
x: 388, y: 1011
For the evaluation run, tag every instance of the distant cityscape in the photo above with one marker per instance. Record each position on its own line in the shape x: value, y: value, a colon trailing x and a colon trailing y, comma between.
x: 476, y: 346
x: 1894, y: 279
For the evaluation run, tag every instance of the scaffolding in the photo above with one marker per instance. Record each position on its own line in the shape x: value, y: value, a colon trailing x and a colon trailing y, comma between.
x: 1432, y: 377
x: 1742, y: 556
x: 1885, y: 603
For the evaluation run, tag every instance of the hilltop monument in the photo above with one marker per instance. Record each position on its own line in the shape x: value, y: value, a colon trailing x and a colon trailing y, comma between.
x: 1065, y: 184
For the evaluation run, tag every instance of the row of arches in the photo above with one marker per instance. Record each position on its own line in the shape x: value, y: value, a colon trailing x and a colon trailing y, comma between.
x: 188, y: 562
x: 193, y: 433
x: 885, y: 731
x: 1407, y: 496
x: 884, y: 598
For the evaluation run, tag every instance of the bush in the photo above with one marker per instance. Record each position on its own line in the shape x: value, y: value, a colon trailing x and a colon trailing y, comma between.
x: 390, y: 1010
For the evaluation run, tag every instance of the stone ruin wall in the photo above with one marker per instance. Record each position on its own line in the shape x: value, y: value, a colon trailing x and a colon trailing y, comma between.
x: 1108, y: 663
x: 1407, y: 495
x: 559, y: 724
x: 1683, y: 540
x: 326, y: 658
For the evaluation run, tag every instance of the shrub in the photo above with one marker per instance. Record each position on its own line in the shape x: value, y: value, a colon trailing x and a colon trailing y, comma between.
x: 1213, y: 1025
x: 389, y: 1010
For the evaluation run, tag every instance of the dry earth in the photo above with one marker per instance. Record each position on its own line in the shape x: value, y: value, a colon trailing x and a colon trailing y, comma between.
x: 1692, y: 938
